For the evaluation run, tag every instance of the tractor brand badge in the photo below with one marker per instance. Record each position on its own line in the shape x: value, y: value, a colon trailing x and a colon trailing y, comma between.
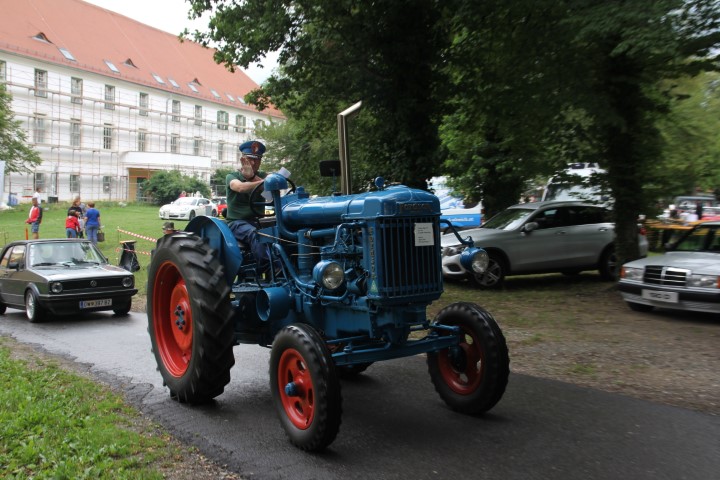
x: 415, y: 207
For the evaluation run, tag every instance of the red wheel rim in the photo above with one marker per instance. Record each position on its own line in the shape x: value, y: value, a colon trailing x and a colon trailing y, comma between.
x: 172, y: 319
x: 300, y: 407
x: 466, y: 380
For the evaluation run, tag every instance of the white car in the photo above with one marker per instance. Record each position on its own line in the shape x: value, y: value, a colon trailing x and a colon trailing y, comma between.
x: 687, y: 277
x: 187, y: 208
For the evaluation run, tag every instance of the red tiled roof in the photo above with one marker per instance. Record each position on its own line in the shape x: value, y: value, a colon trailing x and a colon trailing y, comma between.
x: 93, y: 34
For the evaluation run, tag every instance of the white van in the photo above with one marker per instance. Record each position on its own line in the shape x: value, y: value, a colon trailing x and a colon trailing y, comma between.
x: 452, y: 207
x: 573, y: 184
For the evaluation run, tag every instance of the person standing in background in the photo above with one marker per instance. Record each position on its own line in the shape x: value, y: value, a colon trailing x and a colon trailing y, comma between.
x: 37, y: 195
x: 72, y: 225
x: 92, y: 222
x: 77, y: 209
x: 35, y: 218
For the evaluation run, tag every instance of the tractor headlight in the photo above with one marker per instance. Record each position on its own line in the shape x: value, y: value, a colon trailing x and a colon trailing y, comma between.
x: 127, y: 282
x: 474, y: 259
x: 329, y: 274
x: 56, y: 287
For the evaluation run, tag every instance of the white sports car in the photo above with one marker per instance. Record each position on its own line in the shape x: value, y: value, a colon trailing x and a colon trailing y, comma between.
x: 187, y: 208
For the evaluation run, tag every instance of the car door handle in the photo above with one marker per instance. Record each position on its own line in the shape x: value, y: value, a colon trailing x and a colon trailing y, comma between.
x: 603, y: 229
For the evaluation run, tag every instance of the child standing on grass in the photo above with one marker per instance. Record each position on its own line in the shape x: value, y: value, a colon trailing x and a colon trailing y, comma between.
x: 34, y: 218
x: 72, y: 225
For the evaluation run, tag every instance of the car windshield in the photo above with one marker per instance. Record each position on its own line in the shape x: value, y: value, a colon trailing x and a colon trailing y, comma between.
x: 64, y: 253
x: 186, y: 201
x: 704, y: 238
x: 509, y: 219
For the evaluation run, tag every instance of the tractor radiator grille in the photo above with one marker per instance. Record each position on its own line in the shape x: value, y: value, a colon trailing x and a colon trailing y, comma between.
x: 658, y: 275
x: 405, y: 269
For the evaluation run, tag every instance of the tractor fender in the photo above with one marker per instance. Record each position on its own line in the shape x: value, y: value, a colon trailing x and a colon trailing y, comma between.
x: 221, y: 240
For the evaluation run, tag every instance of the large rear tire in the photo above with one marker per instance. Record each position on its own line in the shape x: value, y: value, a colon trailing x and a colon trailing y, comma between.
x: 471, y: 377
x: 190, y: 318
x: 305, y: 387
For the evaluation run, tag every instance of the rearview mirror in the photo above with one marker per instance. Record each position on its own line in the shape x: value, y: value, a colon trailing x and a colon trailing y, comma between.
x: 530, y: 226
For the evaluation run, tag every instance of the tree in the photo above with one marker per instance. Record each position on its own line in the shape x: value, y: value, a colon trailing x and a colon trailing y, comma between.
x: 14, y: 151
x: 336, y: 52
x: 165, y: 186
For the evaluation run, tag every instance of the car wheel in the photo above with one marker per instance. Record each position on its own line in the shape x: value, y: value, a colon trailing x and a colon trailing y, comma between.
x: 639, y: 307
x: 608, y: 264
x: 191, y: 215
x: 494, y: 276
x: 33, y: 310
x: 3, y: 307
x: 214, y: 213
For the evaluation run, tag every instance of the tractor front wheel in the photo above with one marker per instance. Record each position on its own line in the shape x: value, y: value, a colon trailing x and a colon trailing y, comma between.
x: 305, y: 387
x: 190, y: 318
x: 470, y: 377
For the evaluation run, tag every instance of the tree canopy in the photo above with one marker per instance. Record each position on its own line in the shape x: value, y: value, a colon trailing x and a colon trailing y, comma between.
x: 14, y: 150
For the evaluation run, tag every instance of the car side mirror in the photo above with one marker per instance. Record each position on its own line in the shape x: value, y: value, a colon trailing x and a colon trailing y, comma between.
x: 14, y: 265
x: 530, y: 226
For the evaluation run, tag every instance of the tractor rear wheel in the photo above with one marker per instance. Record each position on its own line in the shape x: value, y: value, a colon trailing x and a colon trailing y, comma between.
x: 305, y: 387
x: 470, y: 377
x: 190, y: 318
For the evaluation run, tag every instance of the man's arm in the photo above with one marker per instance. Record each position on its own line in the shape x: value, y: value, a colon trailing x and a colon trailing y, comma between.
x: 245, y: 187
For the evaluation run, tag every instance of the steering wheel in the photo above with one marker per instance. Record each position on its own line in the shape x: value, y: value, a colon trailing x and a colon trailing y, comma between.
x: 257, y: 201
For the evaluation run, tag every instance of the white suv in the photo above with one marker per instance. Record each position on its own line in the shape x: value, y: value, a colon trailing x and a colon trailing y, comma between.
x: 539, y: 237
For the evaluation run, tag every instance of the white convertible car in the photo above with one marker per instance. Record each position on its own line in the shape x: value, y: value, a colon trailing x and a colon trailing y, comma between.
x: 187, y: 208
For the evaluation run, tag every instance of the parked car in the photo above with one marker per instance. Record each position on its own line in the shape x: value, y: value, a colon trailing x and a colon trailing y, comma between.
x: 686, y: 277
x: 539, y: 237
x: 221, y: 203
x: 187, y: 208
x: 61, y: 277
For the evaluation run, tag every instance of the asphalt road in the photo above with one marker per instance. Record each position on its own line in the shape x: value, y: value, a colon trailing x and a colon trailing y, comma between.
x: 394, y: 424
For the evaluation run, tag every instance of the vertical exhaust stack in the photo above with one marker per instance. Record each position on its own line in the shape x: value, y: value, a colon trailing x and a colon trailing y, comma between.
x: 343, y: 117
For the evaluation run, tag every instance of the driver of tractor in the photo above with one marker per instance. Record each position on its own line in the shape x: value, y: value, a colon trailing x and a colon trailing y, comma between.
x: 239, y: 216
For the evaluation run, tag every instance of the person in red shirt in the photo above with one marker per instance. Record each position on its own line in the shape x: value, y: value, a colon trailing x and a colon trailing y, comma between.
x: 72, y: 225
x: 35, y: 218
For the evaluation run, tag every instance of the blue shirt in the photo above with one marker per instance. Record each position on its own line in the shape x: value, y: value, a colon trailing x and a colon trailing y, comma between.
x: 92, y: 217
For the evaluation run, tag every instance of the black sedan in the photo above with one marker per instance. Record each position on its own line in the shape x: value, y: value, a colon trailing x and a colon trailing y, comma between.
x: 61, y: 277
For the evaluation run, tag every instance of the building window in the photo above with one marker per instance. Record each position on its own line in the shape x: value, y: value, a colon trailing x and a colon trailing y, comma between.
x: 3, y: 71
x: 176, y: 110
x: 107, y: 183
x: 259, y: 124
x: 144, y: 103
x: 223, y: 119
x: 40, y: 181
x: 197, y: 146
x: 41, y: 83
x: 198, y: 115
x: 240, y: 123
x: 109, y: 97
x: 76, y: 90
x: 74, y: 133
x: 75, y: 183
x: 174, y: 140
x: 141, y: 140
x: 107, y: 137
x: 39, y: 129
x: 221, y: 151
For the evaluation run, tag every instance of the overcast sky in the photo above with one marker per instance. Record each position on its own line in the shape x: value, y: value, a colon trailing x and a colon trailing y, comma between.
x: 171, y: 16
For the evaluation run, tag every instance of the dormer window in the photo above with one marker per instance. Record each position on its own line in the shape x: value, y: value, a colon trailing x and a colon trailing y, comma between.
x: 193, y: 87
x: 230, y: 97
x: 42, y: 37
x: 158, y: 78
x: 215, y: 94
x: 196, y: 81
x: 173, y: 83
x: 129, y: 63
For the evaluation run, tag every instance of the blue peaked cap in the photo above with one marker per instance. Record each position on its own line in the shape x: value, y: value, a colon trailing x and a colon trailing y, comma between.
x: 252, y: 148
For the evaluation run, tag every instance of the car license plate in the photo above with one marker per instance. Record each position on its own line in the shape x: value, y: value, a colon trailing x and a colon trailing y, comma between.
x: 106, y: 302
x: 670, y: 297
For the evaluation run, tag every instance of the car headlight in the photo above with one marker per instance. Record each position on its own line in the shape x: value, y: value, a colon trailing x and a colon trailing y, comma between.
x: 451, y: 250
x: 329, y: 274
x: 475, y: 259
x: 706, y: 281
x: 632, y: 273
x: 128, y: 282
x: 56, y: 287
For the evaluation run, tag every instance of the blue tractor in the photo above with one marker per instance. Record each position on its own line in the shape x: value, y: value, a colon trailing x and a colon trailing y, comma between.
x: 358, y: 273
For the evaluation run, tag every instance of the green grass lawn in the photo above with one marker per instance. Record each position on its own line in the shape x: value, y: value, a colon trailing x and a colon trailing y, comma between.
x: 140, y: 219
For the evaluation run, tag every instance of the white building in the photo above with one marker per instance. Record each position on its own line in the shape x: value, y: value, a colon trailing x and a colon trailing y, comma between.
x: 107, y: 101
